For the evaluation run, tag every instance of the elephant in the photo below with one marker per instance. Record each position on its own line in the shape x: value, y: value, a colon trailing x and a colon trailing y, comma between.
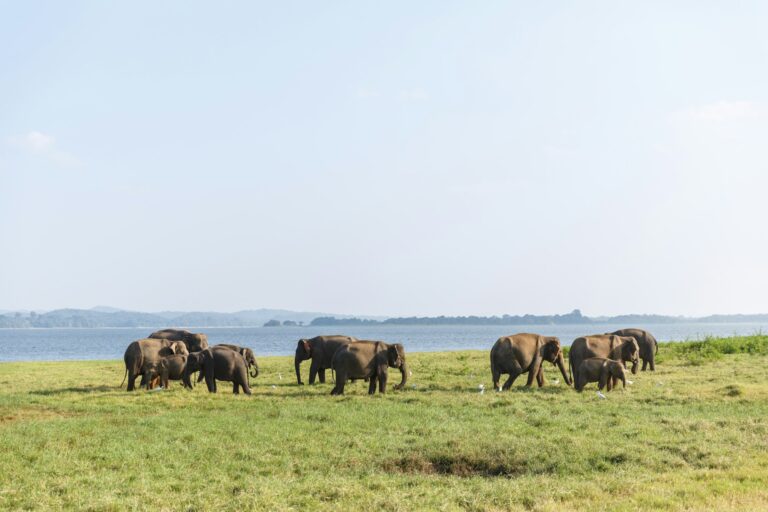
x: 525, y: 352
x: 194, y: 342
x: 141, y: 355
x: 168, y: 368
x: 321, y: 350
x: 219, y: 364
x: 649, y: 347
x: 368, y: 359
x: 606, y: 372
x: 609, y: 346
x: 248, y: 355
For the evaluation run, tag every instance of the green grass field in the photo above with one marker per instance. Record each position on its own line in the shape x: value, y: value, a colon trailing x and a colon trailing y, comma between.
x: 691, y: 436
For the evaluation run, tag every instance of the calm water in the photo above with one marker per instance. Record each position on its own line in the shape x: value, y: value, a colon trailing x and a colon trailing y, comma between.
x: 68, y: 344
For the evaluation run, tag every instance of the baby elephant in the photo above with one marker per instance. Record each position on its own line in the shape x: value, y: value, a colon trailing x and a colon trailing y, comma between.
x: 606, y: 372
x: 166, y: 369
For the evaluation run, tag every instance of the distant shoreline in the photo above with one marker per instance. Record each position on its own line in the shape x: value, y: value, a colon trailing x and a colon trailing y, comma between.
x: 274, y: 318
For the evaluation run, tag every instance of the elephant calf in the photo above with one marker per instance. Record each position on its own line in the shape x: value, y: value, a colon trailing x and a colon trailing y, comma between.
x: 219, y: 364
x: 368, y: 359
x: 520, y: 353
x: 606, y: 372
x: 166, y: 369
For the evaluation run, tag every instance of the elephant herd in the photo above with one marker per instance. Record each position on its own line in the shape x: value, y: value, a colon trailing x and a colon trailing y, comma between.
x: 599, y: 358
x: 174, y: 354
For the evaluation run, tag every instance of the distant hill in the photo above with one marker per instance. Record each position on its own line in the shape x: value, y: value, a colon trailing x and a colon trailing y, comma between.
x: 104, y: 316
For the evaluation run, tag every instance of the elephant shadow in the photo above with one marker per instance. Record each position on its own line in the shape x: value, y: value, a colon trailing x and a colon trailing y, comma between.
x: 79, y: 389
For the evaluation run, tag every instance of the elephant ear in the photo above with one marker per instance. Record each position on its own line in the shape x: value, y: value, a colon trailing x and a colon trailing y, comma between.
x: 549, y: 348
x: 307, y: 347
x: 391, y: 355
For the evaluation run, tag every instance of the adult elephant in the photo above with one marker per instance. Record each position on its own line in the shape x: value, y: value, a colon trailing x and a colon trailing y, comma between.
x: 320, y: 350
x: 141, y: 355
x: 647, y: 343
x: 368, y: 360
x: 609, y: 346
x: 195, y: 342
x: 219, y: 363
x: 525, y: 352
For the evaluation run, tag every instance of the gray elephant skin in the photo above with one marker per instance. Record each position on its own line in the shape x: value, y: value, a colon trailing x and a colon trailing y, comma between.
x: 320, y: 350
x: 610, y: 346
x: 194, y: 341
x: 647, y: 343
x: 606, y: 372
x: 141, y: 355
x: 368, y: 360
x: 219, y: 364
x: 525, y: 352
x: 168, y: 368
x: 248, y: 355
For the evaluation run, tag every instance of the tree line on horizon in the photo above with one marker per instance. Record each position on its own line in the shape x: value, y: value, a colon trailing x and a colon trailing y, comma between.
x: 75, y: 318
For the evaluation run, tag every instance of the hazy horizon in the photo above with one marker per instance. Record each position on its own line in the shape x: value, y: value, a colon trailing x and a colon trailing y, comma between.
x: 398, y: 159
x: 101, y: 308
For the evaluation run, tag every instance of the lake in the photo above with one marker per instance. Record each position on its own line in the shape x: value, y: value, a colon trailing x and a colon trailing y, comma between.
x: 110, y: 343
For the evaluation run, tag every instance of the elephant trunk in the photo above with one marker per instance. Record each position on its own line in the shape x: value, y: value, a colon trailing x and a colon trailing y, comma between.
x: 254, y: 370
x: 297, y: 363
x: 561, y: 365
x: 404, y: 373
x: 634, y: 366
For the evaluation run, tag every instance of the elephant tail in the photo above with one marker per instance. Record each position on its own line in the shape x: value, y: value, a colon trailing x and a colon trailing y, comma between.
x: 570, y: 365
x: 125, y: 375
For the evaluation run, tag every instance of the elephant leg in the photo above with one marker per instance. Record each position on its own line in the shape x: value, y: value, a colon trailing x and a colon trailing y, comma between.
x: 246, y: 387
x: 321, y: 375
x: 131, y: 380
x: 496, y: 376
x: 341, y: 380
x: 652, y: 364
x: 513, y: 374
x: 312, y: 372
x: 577, y: 385
x: 372, y: 385
x: 540, y: 380
x: 383, y: 382
x: 645, y: 364
x: 235, y: 388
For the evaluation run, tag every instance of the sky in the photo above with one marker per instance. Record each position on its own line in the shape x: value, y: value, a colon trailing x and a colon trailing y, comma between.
x: 385, y: 158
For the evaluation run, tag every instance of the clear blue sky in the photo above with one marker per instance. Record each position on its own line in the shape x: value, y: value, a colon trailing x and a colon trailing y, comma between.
x: 390, y: 158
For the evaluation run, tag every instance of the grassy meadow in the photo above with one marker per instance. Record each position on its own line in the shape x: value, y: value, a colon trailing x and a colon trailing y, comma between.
x: 691, y: 436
